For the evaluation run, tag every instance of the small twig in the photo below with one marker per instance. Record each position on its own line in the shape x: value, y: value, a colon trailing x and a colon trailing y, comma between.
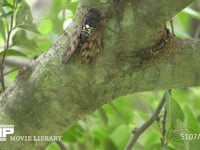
x: 10, y: 71
x: 138, y: 131
x: 61, y: 145
x: 2, y: 63
x: 172, y: 26
x: 163, y: 141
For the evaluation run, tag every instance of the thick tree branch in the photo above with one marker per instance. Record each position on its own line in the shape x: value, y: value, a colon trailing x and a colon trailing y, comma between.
x: 49, y: 96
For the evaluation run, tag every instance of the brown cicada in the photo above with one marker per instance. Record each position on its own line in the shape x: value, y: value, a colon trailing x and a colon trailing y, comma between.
x: 91, y: 36
x: 90, y: 39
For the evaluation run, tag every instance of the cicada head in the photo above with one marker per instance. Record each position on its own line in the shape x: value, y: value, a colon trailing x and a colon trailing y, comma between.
x: 92, y: 18
x: 90, y: 21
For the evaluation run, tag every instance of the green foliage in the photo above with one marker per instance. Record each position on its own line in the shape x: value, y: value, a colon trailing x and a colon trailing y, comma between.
x: 21, y: 38
x: 128, y: 112
x: 17, y: 30
x: 2, y: 30
x: 25, y: 43
x: 13, y: 52
x: 175, y: 113
x: 184, y: 22
x: 53, y: 146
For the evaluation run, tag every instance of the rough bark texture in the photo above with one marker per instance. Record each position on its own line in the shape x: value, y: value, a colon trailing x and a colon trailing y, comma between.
x: 48, y: 96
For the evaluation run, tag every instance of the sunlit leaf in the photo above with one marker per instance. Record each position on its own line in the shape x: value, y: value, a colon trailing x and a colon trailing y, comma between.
x: 157, y: 146
x: 73, y: 134
x: 194, y: 144
x: 2, y: 30
x: 11, y: 74
x: 174, y: 113
x: 19, y: 1
x: 73, y: 5
x: 24, y: 15
x: 192, y: 12
x: 103, y: 115
x: 103, y: 141
x: 53, y: 146
x: 13, y: 52
x: 182, y: 24
x: 7, y: 4
x: 151, y: 138
x: 109, y: 144
x: 45, y: 26
x: 191, y: 121
x: 20, y: 39
x: 175, y: 136
x: 120, y: 136
x: 29, y: 27
x: 74, y: 1
x: 4, y: 15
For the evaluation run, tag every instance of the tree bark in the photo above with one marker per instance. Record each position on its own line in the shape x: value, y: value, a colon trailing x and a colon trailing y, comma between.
x: 48, y: 97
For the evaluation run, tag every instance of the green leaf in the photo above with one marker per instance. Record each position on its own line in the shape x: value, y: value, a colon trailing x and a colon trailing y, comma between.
x: 45, y: 26
x: 13, y: 52
x: 191, y: 121
x: 124, y: 132
x: 192, y: 12
x: 175, y: 136
x: 4, y: 15
x: 5, y: 3
x: 2, y: 30
x: 194, y: 144
x: 174, y: 113
x: 102, y: 141
x: 151, y: 137
x: 18, y: 1
x: 157, y: 146
x: 29, y: 27
x: 74, y: 134
x: 24, y: 15
x: 103, y: 115
x: 73, y: 5
x: 20, y: 39
x: 52, y: 146
x: 109, y: 144
x: 175, y: 119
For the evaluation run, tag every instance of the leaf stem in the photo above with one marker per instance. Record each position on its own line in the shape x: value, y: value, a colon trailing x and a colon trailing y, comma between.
x: 6, y: 47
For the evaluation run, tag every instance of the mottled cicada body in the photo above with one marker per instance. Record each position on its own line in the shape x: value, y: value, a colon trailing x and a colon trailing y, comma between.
x: 91, y: 36
x: 90, y: 21
x: 87, y: 38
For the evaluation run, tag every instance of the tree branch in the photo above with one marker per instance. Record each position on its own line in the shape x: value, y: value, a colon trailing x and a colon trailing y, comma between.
x: 48, y: 96
x: 138, y: 131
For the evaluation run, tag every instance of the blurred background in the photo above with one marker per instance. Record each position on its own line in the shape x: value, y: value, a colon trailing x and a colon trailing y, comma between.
x: 28, y: 28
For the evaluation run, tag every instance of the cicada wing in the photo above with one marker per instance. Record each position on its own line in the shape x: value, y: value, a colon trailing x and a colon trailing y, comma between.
x: 92, y: 46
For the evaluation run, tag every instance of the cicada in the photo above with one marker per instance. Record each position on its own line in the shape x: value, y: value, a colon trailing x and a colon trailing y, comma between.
x: 90, y: 40
x: 91, y: 36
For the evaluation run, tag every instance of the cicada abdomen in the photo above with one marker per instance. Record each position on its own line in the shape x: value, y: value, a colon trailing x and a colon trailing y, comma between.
x: 91, y: 36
